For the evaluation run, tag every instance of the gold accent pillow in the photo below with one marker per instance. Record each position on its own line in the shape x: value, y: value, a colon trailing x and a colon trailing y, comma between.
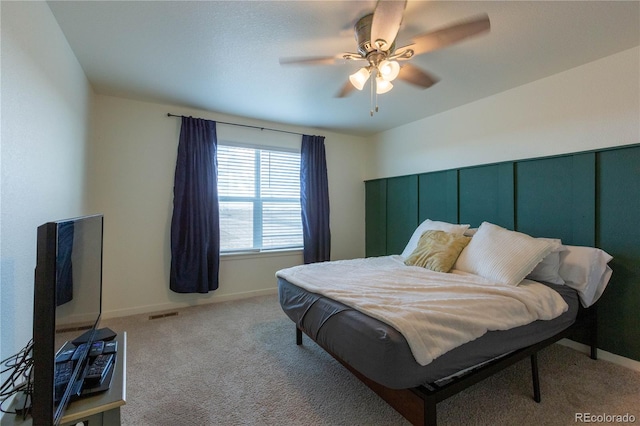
x: 437, y: 250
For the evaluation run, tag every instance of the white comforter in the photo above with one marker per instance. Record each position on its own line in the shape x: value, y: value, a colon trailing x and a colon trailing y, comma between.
x: 435, y: 312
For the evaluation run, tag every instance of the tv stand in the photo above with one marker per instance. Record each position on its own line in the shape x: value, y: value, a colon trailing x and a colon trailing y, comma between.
x: 96, y: 410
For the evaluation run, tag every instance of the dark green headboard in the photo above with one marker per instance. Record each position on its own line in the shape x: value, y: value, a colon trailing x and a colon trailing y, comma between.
x: 589, y: 198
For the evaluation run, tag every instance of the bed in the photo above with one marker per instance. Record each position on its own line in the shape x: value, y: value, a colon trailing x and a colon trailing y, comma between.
x: 385, y: 357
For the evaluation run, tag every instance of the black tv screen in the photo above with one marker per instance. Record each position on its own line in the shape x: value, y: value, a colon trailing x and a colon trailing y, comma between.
x: 67, y: 301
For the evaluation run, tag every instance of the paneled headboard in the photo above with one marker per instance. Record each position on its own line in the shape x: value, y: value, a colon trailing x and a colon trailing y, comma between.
x: 587, y: 198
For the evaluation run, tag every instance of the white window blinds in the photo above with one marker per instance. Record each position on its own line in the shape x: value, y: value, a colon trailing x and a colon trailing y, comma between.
x: 259, y: 196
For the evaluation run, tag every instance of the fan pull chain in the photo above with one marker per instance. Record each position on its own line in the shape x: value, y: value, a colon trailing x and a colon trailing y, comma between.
x: 374, y: 95
x: 372, y: 80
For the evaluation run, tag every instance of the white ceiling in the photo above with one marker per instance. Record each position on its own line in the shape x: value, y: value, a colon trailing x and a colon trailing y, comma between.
x: 223, y: 56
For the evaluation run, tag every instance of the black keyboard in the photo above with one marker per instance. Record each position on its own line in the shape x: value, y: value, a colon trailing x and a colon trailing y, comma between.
x: 63, y: 373
x: 98, y: 369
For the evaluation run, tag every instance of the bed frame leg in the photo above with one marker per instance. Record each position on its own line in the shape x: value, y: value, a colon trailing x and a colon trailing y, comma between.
x: 430, y: 415
x: 298, y: 336
x: 593, y: 327
x: 535, y: 376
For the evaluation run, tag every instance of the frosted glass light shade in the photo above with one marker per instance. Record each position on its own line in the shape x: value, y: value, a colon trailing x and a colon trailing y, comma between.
x: 382, y: 85
x: 359, y: 78
x: 389, y: 70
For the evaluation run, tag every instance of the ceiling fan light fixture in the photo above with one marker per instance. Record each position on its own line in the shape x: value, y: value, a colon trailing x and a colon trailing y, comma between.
x: 359, y: 78
x: 389, y: 70
x: 382, y: 85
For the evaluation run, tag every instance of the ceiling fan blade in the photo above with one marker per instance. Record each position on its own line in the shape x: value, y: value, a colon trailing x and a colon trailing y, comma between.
x: 345, y: 90
x: 385, y: 25
x: 322, y: 60
x: 416, y: 76
x: 310, y: 60
x: 438, y: 39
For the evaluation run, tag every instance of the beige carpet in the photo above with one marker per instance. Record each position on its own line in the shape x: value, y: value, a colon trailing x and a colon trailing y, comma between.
x: 236, y: 363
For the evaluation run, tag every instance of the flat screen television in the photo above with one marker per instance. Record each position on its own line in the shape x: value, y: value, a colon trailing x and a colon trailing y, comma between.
x: 67, y: 299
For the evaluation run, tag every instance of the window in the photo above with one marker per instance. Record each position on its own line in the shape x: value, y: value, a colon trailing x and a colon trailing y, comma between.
x: 259, y: 196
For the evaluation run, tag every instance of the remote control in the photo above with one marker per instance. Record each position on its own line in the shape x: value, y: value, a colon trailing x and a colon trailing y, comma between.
x: 98, y: 369
x: 78, y: 352
x: 62, y: 375
x: 110, y: 347
x: 65, y: 355
x: 96, y: 348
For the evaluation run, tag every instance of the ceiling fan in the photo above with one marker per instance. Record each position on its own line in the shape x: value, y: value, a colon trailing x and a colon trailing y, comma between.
x: 376, y: 34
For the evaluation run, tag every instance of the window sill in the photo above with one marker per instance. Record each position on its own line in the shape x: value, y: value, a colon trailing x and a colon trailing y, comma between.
x: 260, y: 254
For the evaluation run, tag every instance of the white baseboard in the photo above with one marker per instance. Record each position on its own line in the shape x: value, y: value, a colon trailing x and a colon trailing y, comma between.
x: 607, y: 356
x: 177, y: 305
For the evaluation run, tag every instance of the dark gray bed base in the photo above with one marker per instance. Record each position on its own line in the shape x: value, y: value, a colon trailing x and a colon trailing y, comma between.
x: 418, y: 405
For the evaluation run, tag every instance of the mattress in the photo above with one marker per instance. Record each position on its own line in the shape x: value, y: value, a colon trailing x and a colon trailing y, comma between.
x: 382, y: 354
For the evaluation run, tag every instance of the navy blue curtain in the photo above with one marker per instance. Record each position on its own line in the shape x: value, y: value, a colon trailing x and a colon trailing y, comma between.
x: 195, y: 225
x: 314, y: 200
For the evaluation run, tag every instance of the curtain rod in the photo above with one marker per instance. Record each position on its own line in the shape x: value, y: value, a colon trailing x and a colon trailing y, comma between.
x: 242, y: 125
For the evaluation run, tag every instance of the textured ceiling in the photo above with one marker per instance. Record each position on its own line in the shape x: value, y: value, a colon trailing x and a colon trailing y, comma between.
x: 223, y: 56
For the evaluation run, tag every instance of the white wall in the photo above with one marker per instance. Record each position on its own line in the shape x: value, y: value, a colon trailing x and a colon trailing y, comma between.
x: 133, y: 162
x: 45, y: 130
x: 592, y: 106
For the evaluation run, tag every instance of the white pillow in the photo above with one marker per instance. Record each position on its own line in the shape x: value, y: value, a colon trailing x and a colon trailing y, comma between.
x: 503, y: 256
x: 585, y: 269
x: 431, y: 225
x: 548, y: 269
